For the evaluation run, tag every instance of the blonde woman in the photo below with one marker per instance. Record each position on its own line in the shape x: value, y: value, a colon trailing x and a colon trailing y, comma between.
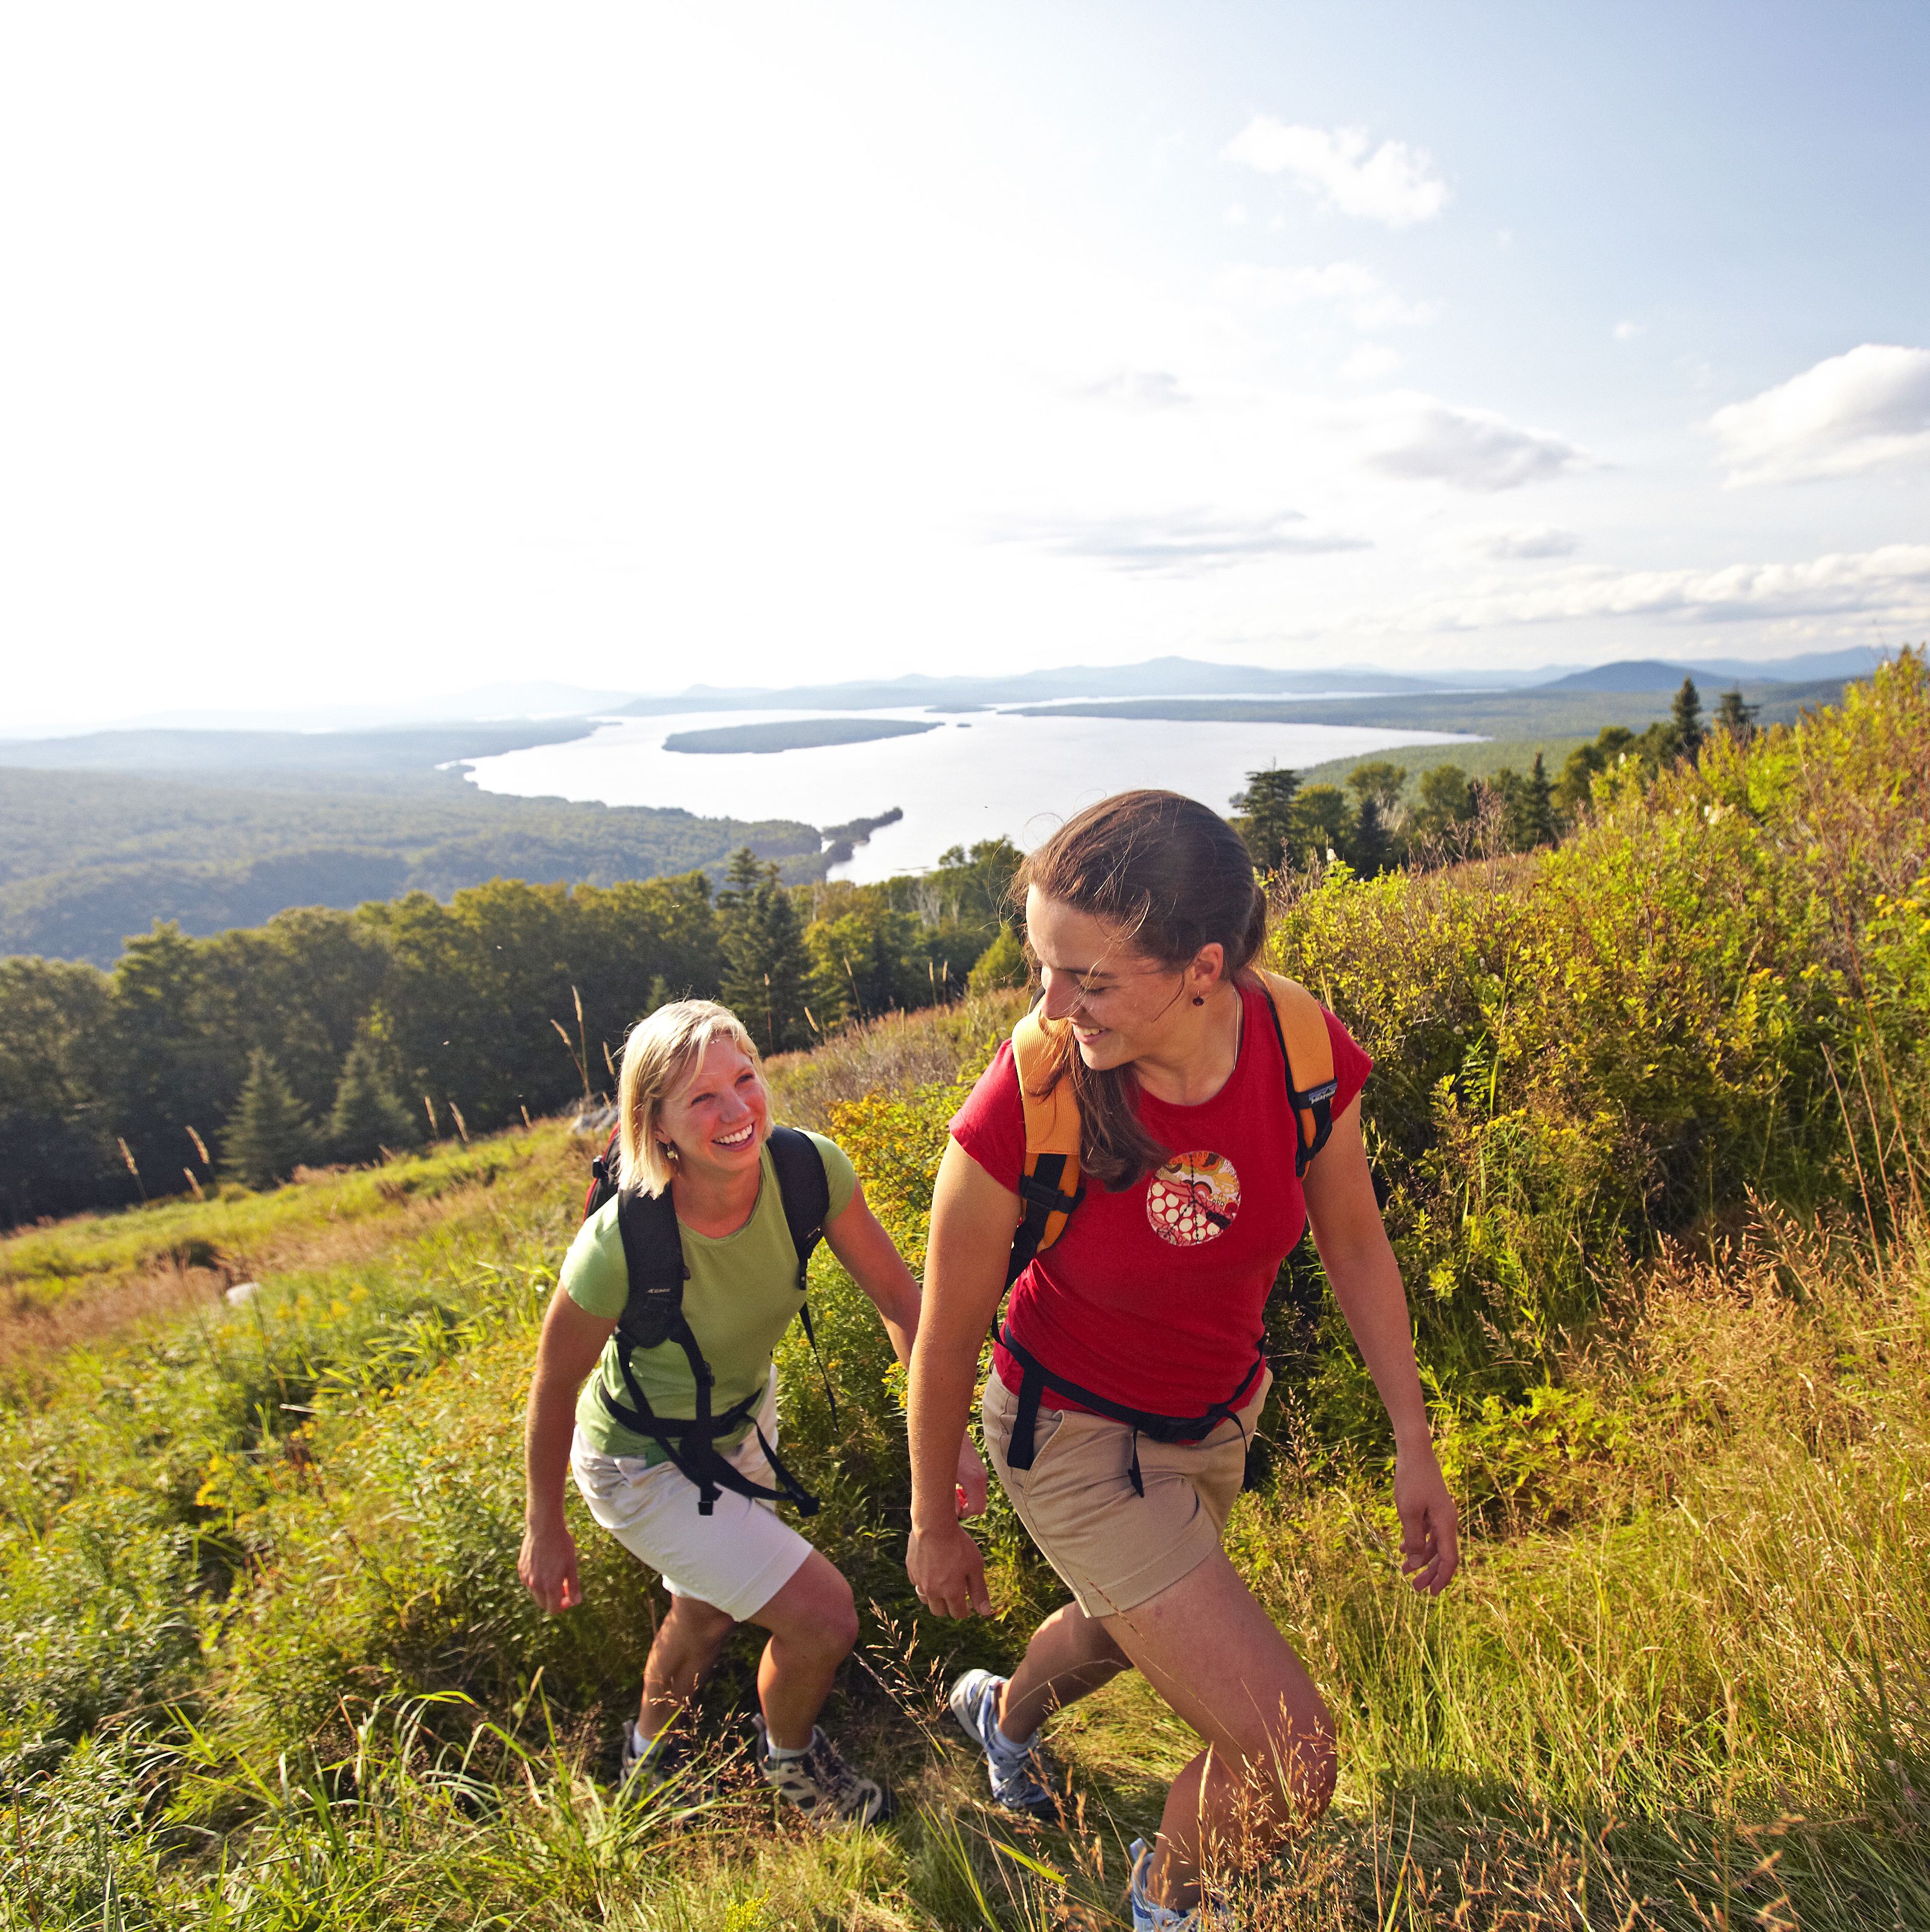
x: 694, y: 1268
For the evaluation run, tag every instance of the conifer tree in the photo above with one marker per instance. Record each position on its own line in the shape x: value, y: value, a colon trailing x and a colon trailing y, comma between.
x: 1266, y: 815
x: 1369, y: 850
x: 367, y: 1116
x: 1537, y: 810
x: 1735, y: 716
x: 765, y: 966
x: 1686, y: 713
x: 268, y: 1135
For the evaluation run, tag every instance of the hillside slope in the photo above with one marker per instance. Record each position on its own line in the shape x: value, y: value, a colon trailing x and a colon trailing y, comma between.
x: 261, y: 1645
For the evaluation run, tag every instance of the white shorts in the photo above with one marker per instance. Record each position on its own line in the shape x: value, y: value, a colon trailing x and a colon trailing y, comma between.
x: 737, y: 1559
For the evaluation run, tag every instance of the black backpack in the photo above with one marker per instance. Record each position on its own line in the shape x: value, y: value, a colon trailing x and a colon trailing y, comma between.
x: 653, y: 1315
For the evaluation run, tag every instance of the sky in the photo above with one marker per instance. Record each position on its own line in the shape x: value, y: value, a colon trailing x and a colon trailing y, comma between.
x: 362, y: 353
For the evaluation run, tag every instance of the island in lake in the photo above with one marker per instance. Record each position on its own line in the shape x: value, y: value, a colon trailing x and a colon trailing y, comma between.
x: 792, y: 734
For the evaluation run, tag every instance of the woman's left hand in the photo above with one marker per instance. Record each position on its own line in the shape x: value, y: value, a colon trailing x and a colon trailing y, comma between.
x: 1429, y: 1544
x: 972, y: 1481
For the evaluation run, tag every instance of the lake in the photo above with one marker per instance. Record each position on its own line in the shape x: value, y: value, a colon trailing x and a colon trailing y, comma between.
x: 973, y: 777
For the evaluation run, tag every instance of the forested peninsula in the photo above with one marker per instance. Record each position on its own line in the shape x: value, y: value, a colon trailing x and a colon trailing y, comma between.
x: 101, y: 835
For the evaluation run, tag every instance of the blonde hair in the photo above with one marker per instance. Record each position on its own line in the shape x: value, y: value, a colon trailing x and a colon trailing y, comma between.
x: 659, y: 1056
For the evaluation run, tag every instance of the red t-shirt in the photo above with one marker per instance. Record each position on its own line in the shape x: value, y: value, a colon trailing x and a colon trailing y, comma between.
x: 1152, y: 1297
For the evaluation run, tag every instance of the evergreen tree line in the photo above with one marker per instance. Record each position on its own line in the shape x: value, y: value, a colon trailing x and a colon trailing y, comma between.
x: 331, y: 1037
x: 1372, y: 824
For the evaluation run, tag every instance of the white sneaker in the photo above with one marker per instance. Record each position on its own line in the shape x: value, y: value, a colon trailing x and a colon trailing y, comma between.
x: 1016, y: 1770
x: 1147, y: 1917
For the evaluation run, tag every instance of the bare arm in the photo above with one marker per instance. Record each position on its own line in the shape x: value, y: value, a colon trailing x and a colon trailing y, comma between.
x: 871, y: 1259
x: 973, y: 1220
x: 572, y: 1339
x: 1353, y: 1244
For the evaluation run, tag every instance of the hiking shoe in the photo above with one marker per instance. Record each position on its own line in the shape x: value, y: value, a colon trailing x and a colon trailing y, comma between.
x: 1016, y: 1770
x: 662, y: 1763
x: 821, y: 1783
x: 1147, y: 1917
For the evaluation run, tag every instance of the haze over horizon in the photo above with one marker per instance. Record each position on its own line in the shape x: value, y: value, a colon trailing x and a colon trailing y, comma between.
x: 379, y: 354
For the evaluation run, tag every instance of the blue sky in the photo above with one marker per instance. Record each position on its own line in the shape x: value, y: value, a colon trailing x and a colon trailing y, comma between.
x: 376, y: 353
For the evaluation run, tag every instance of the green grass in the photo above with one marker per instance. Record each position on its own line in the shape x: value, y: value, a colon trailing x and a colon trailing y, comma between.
x: 93, y: 1273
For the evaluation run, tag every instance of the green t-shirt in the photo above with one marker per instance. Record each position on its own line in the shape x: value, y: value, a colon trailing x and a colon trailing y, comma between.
x: 741, y: 1296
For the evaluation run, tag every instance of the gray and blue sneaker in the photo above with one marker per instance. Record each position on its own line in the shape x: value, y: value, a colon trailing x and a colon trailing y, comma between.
x: 1148, y: 1917
x: 818, y: 1781
x: 1017, y: 1771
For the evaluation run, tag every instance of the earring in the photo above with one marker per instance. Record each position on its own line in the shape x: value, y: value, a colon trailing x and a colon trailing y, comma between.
x: 1199, y: 999
x: 669, y: 1148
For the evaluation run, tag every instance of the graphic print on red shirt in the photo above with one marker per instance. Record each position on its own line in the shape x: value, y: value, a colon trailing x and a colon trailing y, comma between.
x: 1152, y: 1297
x: 1193, y: 1197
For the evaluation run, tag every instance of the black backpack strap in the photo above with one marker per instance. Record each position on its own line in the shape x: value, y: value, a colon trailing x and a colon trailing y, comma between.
x: 1036, y: 1379
x: 805, y: 1188
x: 653, y: 1256
x: 1041, y: 1196
x: 691, y: 1447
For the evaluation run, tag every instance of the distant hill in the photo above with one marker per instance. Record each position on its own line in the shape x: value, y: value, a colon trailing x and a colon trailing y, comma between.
x: 1629, y: 674
x: 1548, y: 711
x: 1158, y: 677
x: 413, y: 754
x: 1810, y: 667
x: 87, y: 858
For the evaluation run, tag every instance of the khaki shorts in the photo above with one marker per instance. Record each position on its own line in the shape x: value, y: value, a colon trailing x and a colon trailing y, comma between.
x: 1112, y: 1547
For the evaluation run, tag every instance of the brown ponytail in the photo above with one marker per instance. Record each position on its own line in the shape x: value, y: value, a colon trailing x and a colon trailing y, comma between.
x: 1173, y: 876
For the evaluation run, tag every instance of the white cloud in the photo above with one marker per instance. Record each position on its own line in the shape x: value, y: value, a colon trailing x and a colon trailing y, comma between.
x: 1180, y: 543
x: 1394, y: 183
x: 1849, y: 412
x: 1369, y: 362
x: 1427, y: 441
x: 1507, y: 543
x: 1894, y: 580
x: 1137, y: 389
x: 1235, y: 216
x: 1627, y: 332
x: 1352, y: 288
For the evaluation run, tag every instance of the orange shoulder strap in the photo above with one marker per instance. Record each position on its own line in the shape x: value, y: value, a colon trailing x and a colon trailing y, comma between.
x: 1310, y: 1061
x: 1050, y: 1189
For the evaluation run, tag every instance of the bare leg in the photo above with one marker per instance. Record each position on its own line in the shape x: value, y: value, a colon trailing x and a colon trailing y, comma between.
x: 1070, y: 1654
x: 813, y: 1624
x: 1205, y: 1644
x: 689, y: 1642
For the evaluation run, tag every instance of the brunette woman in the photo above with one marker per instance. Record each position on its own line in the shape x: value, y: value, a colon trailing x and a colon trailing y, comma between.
x: 1145, y: 920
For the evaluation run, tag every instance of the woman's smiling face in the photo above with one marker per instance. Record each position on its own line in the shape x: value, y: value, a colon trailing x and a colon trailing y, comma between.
x: 718, y: 1120
x: 1120, y: 1004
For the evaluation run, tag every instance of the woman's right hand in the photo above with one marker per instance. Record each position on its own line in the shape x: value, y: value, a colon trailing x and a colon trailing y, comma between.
x: 947, y: 1570
x: 548, y: 1566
